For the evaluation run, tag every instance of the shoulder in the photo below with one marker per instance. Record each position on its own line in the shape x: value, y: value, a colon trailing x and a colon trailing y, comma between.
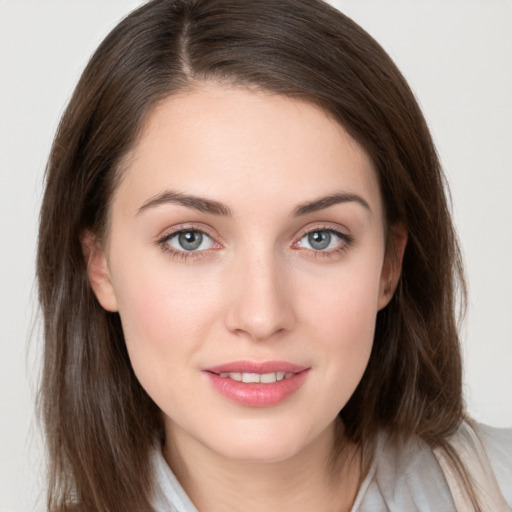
x: 486, y: 456
x: 498, y: 446
x: 406, y: 475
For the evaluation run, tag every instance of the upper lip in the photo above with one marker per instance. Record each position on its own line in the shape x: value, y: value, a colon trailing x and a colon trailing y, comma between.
x: 260, y: 367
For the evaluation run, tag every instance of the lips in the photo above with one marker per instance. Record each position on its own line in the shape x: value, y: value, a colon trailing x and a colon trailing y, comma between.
x: 257, y: 384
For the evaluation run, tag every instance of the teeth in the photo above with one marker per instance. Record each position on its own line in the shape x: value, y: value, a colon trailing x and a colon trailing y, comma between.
x: 251, y: 377
x: 268, y: 378
x: 263, y: 378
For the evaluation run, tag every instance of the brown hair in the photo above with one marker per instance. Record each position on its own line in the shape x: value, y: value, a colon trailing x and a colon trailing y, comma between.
x: 100, y: 423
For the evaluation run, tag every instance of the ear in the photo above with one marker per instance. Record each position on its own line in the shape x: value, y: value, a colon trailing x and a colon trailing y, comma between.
x: 97, y: 271
x: 392, y: 267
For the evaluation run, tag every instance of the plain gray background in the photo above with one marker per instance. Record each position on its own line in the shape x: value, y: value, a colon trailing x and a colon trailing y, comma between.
x: 457, y: 56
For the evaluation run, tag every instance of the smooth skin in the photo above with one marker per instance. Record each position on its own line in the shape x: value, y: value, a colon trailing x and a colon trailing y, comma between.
x: 222, y: 247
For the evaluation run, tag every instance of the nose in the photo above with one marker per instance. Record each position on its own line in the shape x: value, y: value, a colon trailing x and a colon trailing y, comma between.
x: 260, y: 302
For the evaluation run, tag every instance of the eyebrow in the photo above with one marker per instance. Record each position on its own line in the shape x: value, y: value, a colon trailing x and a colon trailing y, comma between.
x: 216, y: 208
x: 331, y: 200
x: 195, y: 202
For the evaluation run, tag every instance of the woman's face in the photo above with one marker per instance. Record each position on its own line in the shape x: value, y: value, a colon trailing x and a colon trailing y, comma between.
x: 245, y: 256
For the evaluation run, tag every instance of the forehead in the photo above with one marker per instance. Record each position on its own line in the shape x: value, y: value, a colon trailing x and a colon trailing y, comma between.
x: 240, y: 145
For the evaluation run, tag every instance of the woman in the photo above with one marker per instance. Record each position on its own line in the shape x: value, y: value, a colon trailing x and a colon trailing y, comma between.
x: 248, y: 271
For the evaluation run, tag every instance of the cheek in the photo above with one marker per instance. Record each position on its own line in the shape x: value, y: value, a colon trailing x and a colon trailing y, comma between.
x: 146, y: 324
x: 160, y: 334
x: 342, y: 318
x: 348, y: 335
x: 346, y: 300
x: 163, y: 318
x: 156, y: 300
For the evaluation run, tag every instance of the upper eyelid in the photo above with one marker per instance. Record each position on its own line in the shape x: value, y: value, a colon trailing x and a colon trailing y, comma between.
x: 169, y: 232
x: 346, y: 238
x: 337, y: 229
x: 329, y: 229
x: 343, y: 237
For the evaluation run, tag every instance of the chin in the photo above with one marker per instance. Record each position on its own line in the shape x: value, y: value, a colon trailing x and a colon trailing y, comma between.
x: 253, y: 443
x: 258, y: 452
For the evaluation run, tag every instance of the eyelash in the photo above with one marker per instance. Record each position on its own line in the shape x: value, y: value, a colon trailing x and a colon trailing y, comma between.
x: 346, y: 242
x: 163, y: 243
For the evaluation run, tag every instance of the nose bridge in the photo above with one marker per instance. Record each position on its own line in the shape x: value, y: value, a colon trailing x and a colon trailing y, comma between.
x: 260, y: 304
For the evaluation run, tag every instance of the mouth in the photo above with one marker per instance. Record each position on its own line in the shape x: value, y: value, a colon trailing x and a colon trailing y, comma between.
x: 254, y: 384
x: 259, y: 378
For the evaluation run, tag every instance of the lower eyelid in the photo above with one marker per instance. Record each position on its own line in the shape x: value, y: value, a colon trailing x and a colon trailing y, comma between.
x: 184, y: 255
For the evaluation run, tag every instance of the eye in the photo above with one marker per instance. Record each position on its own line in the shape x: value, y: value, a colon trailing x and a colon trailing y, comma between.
x: 324, y: 240
x: 189, y: 240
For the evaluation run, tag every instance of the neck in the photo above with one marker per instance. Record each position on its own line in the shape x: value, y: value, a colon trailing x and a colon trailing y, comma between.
x: 323, y: 476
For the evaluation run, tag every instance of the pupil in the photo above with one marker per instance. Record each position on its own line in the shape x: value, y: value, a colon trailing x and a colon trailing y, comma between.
x: 190, y: 240
x: 319, y: 239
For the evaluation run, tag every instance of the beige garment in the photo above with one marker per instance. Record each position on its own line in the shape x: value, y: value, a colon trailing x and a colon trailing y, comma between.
x: 468, y: 445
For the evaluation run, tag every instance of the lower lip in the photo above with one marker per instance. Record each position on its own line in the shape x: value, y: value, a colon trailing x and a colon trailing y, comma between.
x: 256, y: 394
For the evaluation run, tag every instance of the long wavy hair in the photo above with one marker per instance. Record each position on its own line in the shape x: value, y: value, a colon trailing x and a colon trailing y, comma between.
x: 100, y: 424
